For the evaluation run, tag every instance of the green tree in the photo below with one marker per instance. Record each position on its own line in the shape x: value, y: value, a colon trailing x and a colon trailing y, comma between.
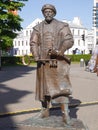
x: 10, y: 23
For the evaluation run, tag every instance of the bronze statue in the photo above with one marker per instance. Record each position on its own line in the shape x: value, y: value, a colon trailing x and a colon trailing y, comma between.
x: 48, y: 42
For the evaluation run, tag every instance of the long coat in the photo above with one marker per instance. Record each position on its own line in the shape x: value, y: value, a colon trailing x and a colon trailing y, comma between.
x: 51, y: 81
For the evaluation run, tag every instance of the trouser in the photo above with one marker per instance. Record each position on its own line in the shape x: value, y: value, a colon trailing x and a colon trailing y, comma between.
x: 65, y: 113
x: 63, y: 106
x: 45, y: 107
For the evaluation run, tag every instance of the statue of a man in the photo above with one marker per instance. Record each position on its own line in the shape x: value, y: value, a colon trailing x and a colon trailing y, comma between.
x: 48, y: 42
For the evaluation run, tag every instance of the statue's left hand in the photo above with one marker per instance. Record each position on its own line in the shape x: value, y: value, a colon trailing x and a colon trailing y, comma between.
x: 36, y: 59
x: 54, y: 52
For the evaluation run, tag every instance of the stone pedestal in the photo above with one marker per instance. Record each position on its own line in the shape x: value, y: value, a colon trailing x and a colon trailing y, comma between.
x: 53, y: 122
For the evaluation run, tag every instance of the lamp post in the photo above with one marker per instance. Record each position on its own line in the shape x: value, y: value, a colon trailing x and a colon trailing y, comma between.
x: 0, y: 52
x: 0, y: 58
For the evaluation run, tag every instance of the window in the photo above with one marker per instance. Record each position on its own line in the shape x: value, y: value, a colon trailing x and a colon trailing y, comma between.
x: 30, y: 32
x: 26, y: 43
x: 15, y: 43
x: 78, y: 42
x: 26, y: 33
x: 96, y: 12
x: 83, y: 31
x: 15, y: 52
x: 19, y: 52
x: 18, y: 43
x: 73, y: 31
x: 96, y: 40
x: 22, y: 43
x: 26, y: 52
x: 22, y: 52
x: 96, y: 33
x: 78, y: 32
x: 97, y: 5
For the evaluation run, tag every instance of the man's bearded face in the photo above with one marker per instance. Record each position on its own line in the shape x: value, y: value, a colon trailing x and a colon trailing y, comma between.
x: 48, y: 14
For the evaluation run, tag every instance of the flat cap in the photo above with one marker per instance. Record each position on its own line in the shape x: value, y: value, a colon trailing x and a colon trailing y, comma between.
x: 49, y: 6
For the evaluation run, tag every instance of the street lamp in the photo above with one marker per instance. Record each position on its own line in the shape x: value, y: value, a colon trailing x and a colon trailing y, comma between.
x: 0, y: 52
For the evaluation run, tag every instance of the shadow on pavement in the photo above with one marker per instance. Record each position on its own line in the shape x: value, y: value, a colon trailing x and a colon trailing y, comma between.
x: 73, y: 108
x: 11, y: 95
x: 10, y: 72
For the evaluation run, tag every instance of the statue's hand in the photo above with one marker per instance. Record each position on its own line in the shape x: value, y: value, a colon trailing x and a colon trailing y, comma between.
x: 59, y: 53
x: 36, y: 59
x: 53, y: 52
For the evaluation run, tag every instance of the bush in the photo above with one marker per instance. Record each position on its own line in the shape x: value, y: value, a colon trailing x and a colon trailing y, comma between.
x: 76, y: 58
x: 13, y: 60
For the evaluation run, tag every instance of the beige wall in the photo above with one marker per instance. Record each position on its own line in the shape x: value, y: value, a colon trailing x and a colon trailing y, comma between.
x: 96, y: 0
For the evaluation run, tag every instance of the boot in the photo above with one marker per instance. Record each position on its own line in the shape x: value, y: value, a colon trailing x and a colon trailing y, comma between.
x: 65, y: 113
x: 44, y: 112
x: 45, y: 109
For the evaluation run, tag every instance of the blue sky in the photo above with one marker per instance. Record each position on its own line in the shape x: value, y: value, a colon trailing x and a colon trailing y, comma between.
x: 66, y: 9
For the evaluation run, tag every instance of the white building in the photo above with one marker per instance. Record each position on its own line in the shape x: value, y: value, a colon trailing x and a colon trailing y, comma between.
x: 85, y: 46
x: 95, y: 21
x: 21, y: 42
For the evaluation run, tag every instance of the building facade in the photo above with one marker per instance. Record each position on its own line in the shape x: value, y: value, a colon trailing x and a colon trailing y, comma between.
x: 95, y: 21
x: 83, y: 38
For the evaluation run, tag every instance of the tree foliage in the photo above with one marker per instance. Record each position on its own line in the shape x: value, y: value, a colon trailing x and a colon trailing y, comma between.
x: 10, y: 23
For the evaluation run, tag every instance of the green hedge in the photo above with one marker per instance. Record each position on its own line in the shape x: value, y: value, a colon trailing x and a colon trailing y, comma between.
x: 13, y: 60
x: 77, y: 58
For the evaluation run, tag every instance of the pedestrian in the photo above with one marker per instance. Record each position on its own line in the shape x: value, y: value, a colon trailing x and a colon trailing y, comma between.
x: 49, y: 40
x: 93, y: 62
